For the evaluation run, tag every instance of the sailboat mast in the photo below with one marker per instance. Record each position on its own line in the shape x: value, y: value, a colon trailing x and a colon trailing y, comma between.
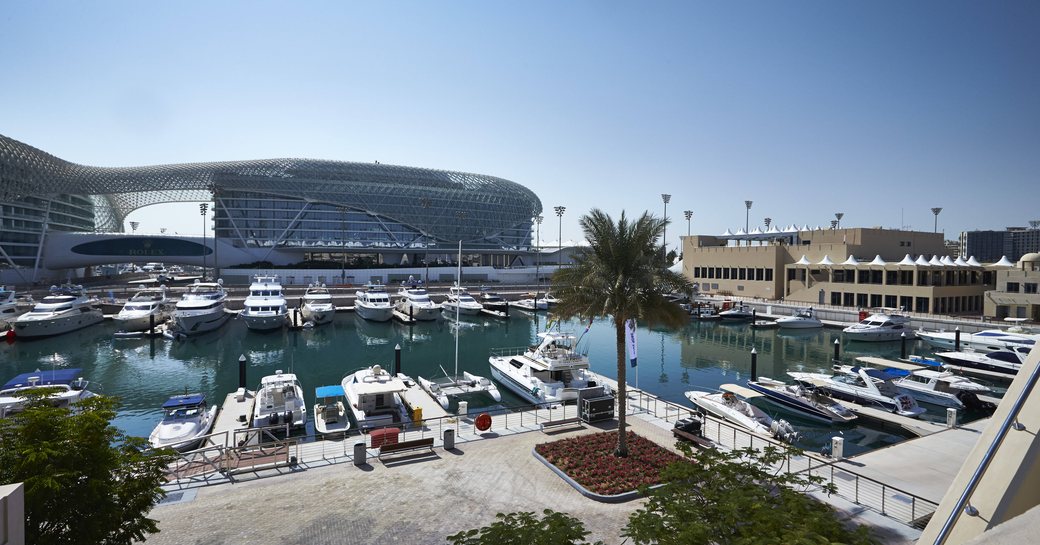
x: 458, y: 301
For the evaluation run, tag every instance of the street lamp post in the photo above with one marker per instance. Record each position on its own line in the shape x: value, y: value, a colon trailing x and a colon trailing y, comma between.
x: 936, y: 211
x: 838, y: 216
x: 664, y: 243
x: 203, y: 208
x: 559, y: 213
x: 537, y: 244
x: 747, y: 218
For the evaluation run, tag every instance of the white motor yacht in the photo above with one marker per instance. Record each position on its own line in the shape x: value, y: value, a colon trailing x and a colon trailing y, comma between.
x: 940, y: 387
x: 740, y: 312
x: 550, y: 372
x: 374, y: 397
x: 704, y: 312
x: 8, y: 307
x: 531, y: 302
x: 279, y: 402
x: 330, y: 412
x: 866, y: 386
x: 1006, y: 360
x: 493, y: 301
x: 317, y: 305
x: 373, y: 304
x: 726, y: 406
x: 986, y: 340
x: 880, y: 327
x: 146, y: 308
x: 201, y: 308
x: 186, y: 419
x: 806, y: 401
x: 66, y: 309
x: 264, y: 308
x: 550, y: 299
x: 69, y: 384
x: 415, y: 303
x: 459, y: 300
x: 804, y: 318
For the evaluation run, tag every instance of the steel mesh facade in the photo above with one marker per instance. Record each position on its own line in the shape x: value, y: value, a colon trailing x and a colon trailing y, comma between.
x: 290, y: 203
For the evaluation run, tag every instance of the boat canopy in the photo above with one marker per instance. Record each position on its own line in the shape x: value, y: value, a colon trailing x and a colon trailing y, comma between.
x: 897, y: 372
x: 55, y: 376
x: 877, y: 373
x: 329, y: 391
x: 187, y: 400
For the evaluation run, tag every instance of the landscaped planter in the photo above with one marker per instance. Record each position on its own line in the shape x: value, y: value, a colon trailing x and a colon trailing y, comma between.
x: 587, y: 463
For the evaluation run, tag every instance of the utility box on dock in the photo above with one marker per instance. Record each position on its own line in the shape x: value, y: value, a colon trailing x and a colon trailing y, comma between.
x: 595, y: 409
x: 837, y: 448
x: 951, y: 417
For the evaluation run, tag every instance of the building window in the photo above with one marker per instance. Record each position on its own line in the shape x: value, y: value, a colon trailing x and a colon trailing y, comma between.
x: 875, y: 300
x: 890, y: 301
x: 1029, y: 287
x: 1012, y: 287
x: 741, y: 275
x: 725, y: 274
x: 769, y: 275
x: 836, y: 298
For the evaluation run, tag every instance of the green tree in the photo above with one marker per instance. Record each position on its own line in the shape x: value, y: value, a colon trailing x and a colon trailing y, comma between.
x: 733, y: 497
x: 85, y: 481
x: 523, y: 528
x: 621, y: 275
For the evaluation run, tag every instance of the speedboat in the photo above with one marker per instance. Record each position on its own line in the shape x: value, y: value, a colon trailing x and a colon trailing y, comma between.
x: 459, y: 300
x: 186, y: 419
x: 880, y: 327
x: 741, y: 312
x: 728, y: 407
x: 804, y: 318
x: 704, y: 312
x: 531, y: 302
x: 66, y: 309
x: 986, y: 340
x: 201, y: 308
x: 68, y: 383
x: 1006, y: 360
x: 415, y: 303
x: 279, y: 402
x: 493, y: 301
x: 866, y: 386
x: 806, y: 401
x: 374, y: 397
x: 550, y: 299
x: 264, y: 308
x: 550, y: 372
x: 148, y: 307
x: 940, y: 387
x: 330, y: 413
x: 374, y: 304
x: 317, y: 305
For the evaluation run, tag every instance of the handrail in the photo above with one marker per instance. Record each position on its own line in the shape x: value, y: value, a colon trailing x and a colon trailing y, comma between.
x: 987, y: 458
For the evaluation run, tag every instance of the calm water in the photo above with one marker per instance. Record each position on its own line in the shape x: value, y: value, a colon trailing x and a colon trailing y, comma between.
x: 143, y: 373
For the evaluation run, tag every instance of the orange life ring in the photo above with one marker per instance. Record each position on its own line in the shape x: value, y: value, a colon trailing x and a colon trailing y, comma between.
x: 483, y: 422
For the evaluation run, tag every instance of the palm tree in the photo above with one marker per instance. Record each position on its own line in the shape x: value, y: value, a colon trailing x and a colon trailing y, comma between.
x: 621, y: 275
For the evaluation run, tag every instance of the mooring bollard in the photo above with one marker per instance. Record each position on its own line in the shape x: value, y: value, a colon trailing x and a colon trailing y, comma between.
x: 902, y: 345
x: 397, y: 359
x: 754, y: 364
x: 837, y: 350
x: 957, y: 339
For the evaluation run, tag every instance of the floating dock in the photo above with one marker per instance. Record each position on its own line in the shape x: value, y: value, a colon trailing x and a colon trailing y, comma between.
x: 236, y: 413
x: 404, y: 318
x: 417, y: 398
x: 495, y: 313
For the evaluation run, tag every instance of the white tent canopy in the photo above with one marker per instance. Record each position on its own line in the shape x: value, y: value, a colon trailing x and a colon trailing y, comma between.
x: 960, y: 262
x: 851, y: 261
x: 907, y: 260
x: 946, y: 260
x: 803, y: 261
x: 878, y: 261
x: 826, y: 261
x: 1003, y: 262
x: 973, y: 262
x: 922, y: 261
x: 935, y: 261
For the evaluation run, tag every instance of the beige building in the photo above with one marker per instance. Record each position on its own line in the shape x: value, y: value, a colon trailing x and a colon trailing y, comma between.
x: 854, y: 267
x: 1015, y: 295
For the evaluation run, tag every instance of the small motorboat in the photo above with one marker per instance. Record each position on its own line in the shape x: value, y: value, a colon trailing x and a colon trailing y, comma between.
x: 866, y: 386
x: 986, y: 340
x: 704, y: 312
x: 70, y: 385
x: 279, y: 402
x: 802, y: 319
x: 728, y: 407
x: 738, y: 313
x: 330, y: 413
x: 186, y: 419
x: 493, y: 301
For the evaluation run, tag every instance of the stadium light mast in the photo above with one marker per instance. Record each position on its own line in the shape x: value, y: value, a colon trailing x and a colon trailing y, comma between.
x: 664, y: 243
x: 838, y: 216
x: 559, y: 213
x: 936, y: 210
x: 537, y: 243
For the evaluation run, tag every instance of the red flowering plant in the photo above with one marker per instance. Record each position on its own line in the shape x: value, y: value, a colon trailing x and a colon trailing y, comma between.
x: 590, y: 461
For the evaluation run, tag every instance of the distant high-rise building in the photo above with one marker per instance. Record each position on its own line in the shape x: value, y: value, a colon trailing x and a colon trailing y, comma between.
x: 1013, y: 242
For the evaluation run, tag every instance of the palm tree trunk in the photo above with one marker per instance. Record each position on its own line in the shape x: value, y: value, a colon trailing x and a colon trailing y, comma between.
x: 622, y: 394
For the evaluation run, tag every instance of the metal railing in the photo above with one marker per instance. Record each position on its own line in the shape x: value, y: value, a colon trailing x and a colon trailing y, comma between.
x: 893, y: 502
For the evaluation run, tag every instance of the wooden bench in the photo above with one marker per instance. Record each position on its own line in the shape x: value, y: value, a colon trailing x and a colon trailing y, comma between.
x: 572, y: 422
x: 403, y: 446
x: 695, y: 439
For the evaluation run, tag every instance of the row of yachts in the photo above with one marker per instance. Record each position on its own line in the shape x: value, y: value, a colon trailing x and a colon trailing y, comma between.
x: 202, y: 308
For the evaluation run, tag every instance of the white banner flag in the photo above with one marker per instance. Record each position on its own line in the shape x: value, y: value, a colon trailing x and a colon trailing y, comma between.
x: 630, y: 332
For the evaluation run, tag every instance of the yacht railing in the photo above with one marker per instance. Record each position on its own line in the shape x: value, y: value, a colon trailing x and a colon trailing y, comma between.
x: 1010, y: 422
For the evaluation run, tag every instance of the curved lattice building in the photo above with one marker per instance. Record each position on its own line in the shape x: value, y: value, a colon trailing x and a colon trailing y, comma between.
x: 321, y: 209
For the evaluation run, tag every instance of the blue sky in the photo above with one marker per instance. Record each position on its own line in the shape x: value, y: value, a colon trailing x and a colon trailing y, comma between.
x: 880, y: 110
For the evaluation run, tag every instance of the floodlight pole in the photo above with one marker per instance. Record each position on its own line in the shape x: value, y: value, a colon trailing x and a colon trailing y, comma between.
x: 936, y: 211
x: 537, y: 253
x: 559, y: 213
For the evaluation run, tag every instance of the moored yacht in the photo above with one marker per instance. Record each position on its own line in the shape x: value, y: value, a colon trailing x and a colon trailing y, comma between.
x: 807, y: 401
x: 66, y: 309
x: 317, y: 305
x: 146, y: 308
x: 459, y: 300
x: 740, y: 312
x: 870, y: 387
x: 415, y: 303
x: 69, y: 384
x: 802, y: 319
x: 726, y: 406
x: 880, y: 327
x: 186, y: 419
x: 493, y: 301
x: 1006, y: 360
x: 940, y: 387
x: 279, y: 402
x: 986, y: 340
x: 551, y: 372
x: 373, y: 303
x: 374, y: 398
x: 201, y: 308
x: 264, y: 308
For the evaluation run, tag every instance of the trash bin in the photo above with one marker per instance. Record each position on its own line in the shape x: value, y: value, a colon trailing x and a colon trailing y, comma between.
x: 449, y: 439
x: 360, y: 454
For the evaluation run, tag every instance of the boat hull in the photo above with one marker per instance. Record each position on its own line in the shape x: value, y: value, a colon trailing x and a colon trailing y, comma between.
x: 56, y: 326
x: 318, y: 316
x: 141, y: 322
x: 797, y: 324
x: 518, y: 388
x: 374, y: 314
x: 264, y: 322
x: 423, y: 314
x: 191, y: 323
x: 796, y: 404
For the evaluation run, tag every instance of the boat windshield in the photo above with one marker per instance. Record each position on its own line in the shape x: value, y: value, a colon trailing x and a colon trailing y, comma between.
x: 181, y: 413
x: 58, y: 308
x: 138, y: 306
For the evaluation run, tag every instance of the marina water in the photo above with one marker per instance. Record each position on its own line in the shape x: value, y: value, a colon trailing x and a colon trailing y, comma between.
x: 703, y: 355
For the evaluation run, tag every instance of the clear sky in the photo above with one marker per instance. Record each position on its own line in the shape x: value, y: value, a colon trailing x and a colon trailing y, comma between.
x: 880, y: 110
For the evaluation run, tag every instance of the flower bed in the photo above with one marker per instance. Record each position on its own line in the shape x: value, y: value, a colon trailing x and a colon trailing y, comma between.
x: 589, y: 460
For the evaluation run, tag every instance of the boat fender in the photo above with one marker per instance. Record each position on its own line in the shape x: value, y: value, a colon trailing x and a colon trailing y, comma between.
x: 288, y: 419
x: 273, y: 420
